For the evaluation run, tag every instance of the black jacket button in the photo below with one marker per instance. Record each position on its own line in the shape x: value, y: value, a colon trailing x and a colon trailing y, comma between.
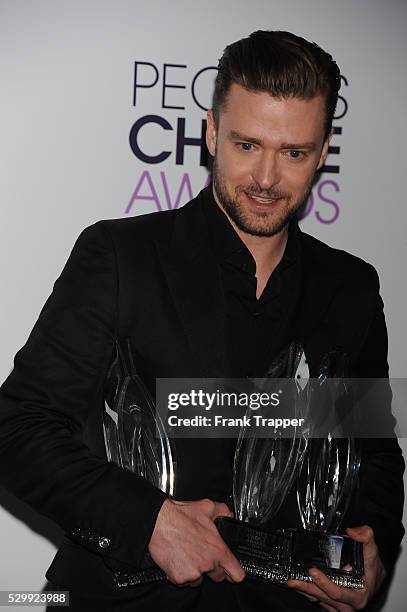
x: 104, y: 542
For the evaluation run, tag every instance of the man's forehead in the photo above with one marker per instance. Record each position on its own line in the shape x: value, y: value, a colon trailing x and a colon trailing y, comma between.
x: 256, y: 113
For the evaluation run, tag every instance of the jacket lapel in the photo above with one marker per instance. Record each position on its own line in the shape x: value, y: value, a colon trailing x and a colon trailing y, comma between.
x: 194, y: 284
x: 317, y: 324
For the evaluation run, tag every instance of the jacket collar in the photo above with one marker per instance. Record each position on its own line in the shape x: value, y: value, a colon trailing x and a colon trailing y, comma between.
x: 191, y: 273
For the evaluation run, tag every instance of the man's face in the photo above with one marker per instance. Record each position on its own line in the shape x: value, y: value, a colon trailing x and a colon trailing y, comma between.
x: 266, y: 153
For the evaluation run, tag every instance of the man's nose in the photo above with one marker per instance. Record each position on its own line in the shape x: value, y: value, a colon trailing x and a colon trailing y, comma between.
x: 266, y: 173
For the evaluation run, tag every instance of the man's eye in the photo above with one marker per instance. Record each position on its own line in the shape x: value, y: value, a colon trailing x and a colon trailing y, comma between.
x: 293, y: 154
x: 246, y: 146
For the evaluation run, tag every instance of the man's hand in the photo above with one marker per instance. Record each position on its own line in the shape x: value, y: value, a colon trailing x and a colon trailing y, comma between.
x: 186, y: 544
x: 332, y: 597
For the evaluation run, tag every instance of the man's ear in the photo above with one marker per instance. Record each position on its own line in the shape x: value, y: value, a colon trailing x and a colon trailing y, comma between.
x: 324, y: 152
x: 211, y: 133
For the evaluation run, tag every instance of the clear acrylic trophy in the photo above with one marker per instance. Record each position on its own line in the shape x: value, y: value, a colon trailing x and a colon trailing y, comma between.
x: 326, y: 480
x: 135, y: 439
x: 325, y: 470
x: 264, y: 472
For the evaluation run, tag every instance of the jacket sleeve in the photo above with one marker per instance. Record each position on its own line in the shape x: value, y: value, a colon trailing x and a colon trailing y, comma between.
x: 57, y: 381
x: 381, y: 493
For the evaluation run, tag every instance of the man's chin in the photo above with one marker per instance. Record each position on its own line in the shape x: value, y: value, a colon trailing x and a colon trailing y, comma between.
x: 261, y: 229
x: 261, y: 224
x: 257, y: 222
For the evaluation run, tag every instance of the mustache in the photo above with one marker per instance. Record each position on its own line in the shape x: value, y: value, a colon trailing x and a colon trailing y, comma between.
x: 256, y: 191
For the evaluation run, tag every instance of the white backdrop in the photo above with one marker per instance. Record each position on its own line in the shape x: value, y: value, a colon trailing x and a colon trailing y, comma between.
x: 68, y: 76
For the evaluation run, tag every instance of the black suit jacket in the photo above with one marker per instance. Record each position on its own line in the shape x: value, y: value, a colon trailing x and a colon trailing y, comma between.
x: 153, y: 279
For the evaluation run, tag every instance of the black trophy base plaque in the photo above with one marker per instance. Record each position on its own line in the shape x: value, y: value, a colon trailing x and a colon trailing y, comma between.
x: 125, y: 580
x: 278, y: 555
x: 264, y: 554
x: 338, y: 556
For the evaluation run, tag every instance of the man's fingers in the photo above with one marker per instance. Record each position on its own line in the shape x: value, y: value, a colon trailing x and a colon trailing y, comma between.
x: 232, y: 567
x: 332, y: 590
x: 218, y: 574
x: 315, y: 594
x: 365, y: 536
x: 306, y: 588
x: 228, y: 578
x: 186, y: 544
x: 362, y: 534
x: 235, y: 573
x: 221, y: 509
x: 335, y: 592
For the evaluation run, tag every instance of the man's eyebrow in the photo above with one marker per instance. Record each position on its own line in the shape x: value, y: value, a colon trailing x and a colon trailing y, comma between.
x: 310, y: 146
x: 238, y: 136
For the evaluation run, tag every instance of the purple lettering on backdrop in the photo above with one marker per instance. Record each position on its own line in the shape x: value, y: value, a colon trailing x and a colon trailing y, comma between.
x: 185, y: 182
x: 335, y: 206
x: 185, y: 186
x: 136, y: 196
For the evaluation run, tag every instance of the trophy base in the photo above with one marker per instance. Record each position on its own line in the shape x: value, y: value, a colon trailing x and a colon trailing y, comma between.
x: 278, y: 555
x: 264, y: 554
x: 125, y: 580
x: 338, y: 556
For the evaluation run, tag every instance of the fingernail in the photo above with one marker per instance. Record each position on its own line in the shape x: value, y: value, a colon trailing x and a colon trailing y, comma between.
x: 313, y: 573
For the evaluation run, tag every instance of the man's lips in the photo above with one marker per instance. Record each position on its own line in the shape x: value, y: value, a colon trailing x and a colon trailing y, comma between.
x: 259, y: 201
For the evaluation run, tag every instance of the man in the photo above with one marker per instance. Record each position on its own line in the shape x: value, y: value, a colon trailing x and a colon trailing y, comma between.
x: 217, y: 288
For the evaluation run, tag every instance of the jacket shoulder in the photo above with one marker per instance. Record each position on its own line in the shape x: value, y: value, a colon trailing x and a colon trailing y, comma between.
x: 337, y: 261
x: 147, y: 226
x: 157, y: 226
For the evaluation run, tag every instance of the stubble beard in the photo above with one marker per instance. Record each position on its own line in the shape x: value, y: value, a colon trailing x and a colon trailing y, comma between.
x: 257, y: 223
